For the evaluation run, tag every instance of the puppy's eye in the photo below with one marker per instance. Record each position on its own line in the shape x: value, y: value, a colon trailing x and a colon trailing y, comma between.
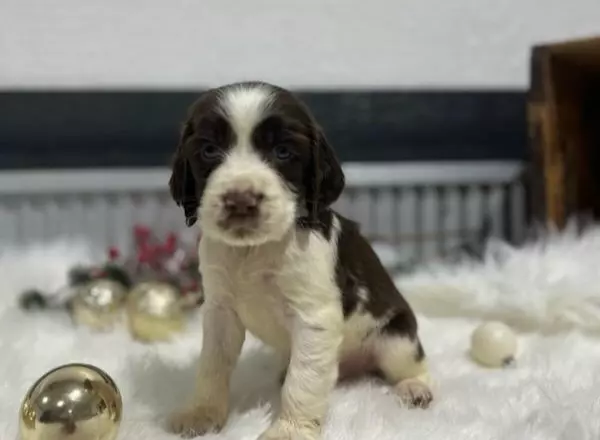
x: 282, y: 152
x: 210, y: 152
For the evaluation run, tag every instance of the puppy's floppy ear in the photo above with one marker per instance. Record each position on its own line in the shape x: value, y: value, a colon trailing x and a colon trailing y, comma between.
x: 324, y: 179
x: 182, y: 183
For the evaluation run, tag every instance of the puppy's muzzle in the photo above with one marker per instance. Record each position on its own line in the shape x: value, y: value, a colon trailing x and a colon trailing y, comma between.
x: 242, y: 205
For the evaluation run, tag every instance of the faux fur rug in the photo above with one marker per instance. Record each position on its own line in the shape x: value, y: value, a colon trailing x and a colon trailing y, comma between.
x: 550, y: 288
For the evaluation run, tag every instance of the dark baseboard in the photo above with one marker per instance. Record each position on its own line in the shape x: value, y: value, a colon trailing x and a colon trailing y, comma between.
x: 81, y: 129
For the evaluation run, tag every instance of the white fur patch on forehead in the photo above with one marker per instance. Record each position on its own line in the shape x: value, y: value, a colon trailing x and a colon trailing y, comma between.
x: 245, y: 106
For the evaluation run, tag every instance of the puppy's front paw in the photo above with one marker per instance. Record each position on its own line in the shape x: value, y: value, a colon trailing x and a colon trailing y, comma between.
x: 197, y: 421
x: 285, y: 430
x: 414, y: 393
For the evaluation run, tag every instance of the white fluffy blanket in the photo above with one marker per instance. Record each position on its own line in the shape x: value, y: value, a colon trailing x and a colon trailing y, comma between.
x: 551, y: 289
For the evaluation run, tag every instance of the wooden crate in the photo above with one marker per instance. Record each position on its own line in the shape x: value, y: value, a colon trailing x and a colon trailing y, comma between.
x: 564, y: 128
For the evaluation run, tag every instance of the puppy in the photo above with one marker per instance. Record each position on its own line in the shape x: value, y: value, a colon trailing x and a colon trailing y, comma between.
x: 256, y: 172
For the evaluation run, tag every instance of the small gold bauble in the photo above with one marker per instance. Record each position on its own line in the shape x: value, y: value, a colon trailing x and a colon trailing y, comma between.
x: 494, y: 344
x: 98, y: 303
x: 155, y: 311
x: 72, y: 402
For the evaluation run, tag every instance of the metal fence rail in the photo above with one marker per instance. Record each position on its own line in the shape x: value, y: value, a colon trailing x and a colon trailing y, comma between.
x: 422, y: 210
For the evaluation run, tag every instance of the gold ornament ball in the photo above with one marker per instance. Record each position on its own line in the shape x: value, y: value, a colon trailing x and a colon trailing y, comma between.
x: 494, y: 344
x: 155, y: 311
x: 72, y: 402
x: 98, y: 304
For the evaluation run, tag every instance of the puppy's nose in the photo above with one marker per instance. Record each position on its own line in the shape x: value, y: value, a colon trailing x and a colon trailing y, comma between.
x: 242, y: 203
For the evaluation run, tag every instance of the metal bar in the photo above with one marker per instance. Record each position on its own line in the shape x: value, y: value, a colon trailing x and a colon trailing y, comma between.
x: 155, y: 179
x: 463, y: 221
x: 485, y: 226
x: 409, y: 237
x: 373, y: 207
x: 420, y: 250
x: 351, y: 193
x: 396, y: 206
x: 507, y: 213
x: 441, y: 217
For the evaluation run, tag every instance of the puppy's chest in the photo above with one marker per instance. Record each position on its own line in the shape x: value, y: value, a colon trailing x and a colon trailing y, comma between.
x: 260, y: 301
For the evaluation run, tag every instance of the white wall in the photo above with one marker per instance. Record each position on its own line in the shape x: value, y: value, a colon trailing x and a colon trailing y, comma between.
x: 190, y: 43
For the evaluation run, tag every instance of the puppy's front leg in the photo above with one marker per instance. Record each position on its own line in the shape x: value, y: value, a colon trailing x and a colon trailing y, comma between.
x: 222, y: 344
x: 311, y: 375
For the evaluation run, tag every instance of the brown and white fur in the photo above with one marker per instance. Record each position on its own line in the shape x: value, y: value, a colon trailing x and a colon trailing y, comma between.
x: 257, y: 172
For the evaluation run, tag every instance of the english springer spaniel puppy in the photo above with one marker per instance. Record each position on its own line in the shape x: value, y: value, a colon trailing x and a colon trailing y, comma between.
x: 256, y: 172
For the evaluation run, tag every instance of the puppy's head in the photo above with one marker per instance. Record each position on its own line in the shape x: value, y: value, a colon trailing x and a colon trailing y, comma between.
x: 251, y: 162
